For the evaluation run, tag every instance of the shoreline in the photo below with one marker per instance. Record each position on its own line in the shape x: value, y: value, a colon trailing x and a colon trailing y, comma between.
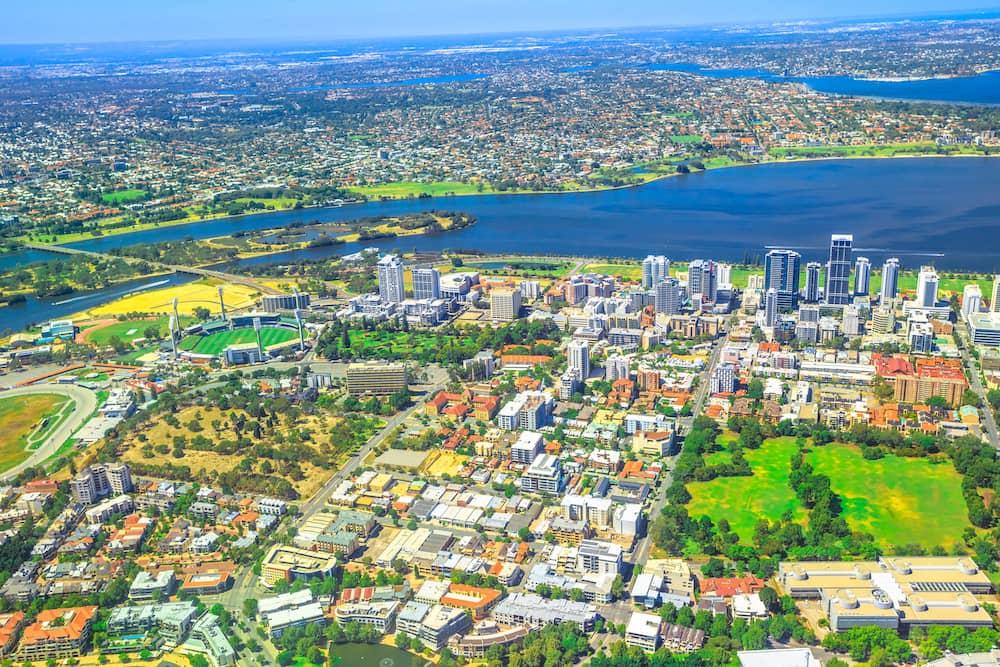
x: 655, y: 178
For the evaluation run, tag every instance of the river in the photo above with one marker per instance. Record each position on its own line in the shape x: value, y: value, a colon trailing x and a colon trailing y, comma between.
x: 944, y: 211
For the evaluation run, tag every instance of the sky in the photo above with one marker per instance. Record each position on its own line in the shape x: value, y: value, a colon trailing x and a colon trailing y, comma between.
x: 82, y: 21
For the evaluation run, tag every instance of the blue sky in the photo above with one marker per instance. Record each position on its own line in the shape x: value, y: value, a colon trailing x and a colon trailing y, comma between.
x: 41, y: 21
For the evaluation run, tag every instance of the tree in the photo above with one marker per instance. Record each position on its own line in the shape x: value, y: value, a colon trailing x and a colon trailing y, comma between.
x: 250, y: 607
x: 755, y: 389
x: 937, y: 402
x: 770, y: 599
x: 617, y: 587
x: 714, y: 568
x: 524, y: 534
x: 970, y: 397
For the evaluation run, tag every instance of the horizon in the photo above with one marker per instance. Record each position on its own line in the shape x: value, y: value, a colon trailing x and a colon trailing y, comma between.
x: 86, y: 33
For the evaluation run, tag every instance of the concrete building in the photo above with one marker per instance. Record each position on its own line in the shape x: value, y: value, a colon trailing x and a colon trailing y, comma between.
x: 995, y: 295
x: 883, y: 320
x: 985, y: 328
x: 432, y: 624
x: 654, y: 269
x: 272, y: 303
x: 390, y: 279
x: 838, y: 270
x: 505, y: 304
x: 811, y: 292
x: 426, y: 283
x: 781, y: 273
x: 770, y: 308
x: 890, y: 282
x: 544, y: 475
x: 375, y: 378
x: 972, y: 300
x: 534, y: 611
x: 171, y: 620
x: 578, y: 358
x: 597, y: 557
x: 668, y: 297
x: 643, y: 631
x: 527, y: 447
x: 380, y: 614
x: 862, y: 276
x: 291, y: 563
x: 101, y: 480
x: 927, y: 287
x: 57, y: 634
x: 702, y: 279
x: 723, y: 379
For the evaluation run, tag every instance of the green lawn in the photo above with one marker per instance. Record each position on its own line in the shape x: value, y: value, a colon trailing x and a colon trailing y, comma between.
x: 19, y: 417
x: 626, y: 271
x: 898, y: 500
x: 216, y: 343
x: 410, y: 189
x: 686, y: 138
x: 746, y: 500
x: 122, y: 196
x: 129, y: 330
x: 276, y: 202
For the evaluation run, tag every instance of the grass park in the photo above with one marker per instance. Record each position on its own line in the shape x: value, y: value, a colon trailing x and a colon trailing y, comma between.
x: 19, y: 418
x: 410, y: 189
x: 215, y: 343
x: 123, y: 196
x: 898, y: 500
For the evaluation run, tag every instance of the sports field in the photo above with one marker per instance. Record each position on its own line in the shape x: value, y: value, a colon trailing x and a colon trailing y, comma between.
x: 216, y: 343
x: 129, y: 330
x: 745, y: 500
x: 19, y: 417
x: 122, y: 196
x: 898, y: 500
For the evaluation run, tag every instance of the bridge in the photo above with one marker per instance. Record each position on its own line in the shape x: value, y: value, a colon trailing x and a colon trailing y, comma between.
x: 174, y: 268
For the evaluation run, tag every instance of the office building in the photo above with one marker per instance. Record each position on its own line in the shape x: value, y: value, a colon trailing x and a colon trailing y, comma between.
x: 723, y: 379
x: 578, y: 356
x: 972, y: 300
x: 862, y: 276
x: 544, y: 475
x: 811, y: 292
x: 927, y: 287
x: 505, y: 304
x: 890, y: 281
x: 781, y: 273
x: 426, y: 283
x: 291, y: 563
x: 654, y: 269
x: 643, y: 631
x: 995, y: 295
x: 534, y: 611
x: 529, y: 410
x: 985, y: 328
x: 433, y: 625
x: 853, y: 325
x: 171, y: 620
x: 390, y: 279
x: 668, y: 296
x: 375, y: 378
x: 380, y: 614
x: 702, y: 279
x: 770, y: 308
x: 838, y: 270
x: 597, y: 557
x: 884, y: 320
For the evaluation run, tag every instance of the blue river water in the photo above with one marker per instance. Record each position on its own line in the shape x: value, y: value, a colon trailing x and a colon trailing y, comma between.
x: 983, y: 89
x: 943, y: 211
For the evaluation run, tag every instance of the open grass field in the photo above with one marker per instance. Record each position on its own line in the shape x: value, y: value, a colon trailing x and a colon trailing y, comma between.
x: 626, y: 271
x: 19, y: 417
x: 129, y: 330
x: 686, y: 138
x: 898, y: 500
x: 203, y: 293
x: 885, y: 150
x: 745, y: 500
x: 408, y: 189
x: 216, y: 343
x: 123, y: 196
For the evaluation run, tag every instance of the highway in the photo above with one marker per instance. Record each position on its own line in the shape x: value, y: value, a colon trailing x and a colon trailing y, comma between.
x: 85, y: 403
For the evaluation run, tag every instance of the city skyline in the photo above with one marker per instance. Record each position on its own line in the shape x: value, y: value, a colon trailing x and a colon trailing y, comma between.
x: 62, y: 21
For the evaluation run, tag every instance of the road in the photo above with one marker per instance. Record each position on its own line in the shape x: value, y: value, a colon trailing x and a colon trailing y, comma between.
x: 989, y: 422
x: 86, y: 403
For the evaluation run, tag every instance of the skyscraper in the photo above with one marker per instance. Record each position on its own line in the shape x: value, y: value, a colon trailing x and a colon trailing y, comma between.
x: 668, y: 296
x: 890, y: 281
x: 505, y: 304
x: 770, y: 307
x: 852, y: 321
x: 811, y: 294
x: 654, y: 269
x: 390, y: 279
x: 781, y: 273
x: 862, y: 276
x: 702, y: 279
x: 838, y: 271
x: 927, y: 287
x: 426, y: 283
x: 578, y: 356
x: 972, y: 300
x: 995, y: 295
